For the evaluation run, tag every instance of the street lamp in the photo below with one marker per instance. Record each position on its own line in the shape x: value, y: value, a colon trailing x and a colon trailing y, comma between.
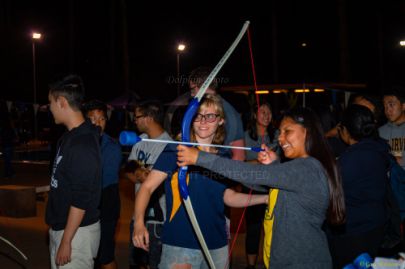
x: 180, y: 48
x: 35, y: 37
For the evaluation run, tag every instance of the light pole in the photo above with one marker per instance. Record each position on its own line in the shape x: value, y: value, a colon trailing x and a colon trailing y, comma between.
x: 180, y: 48
x: 35, y: 37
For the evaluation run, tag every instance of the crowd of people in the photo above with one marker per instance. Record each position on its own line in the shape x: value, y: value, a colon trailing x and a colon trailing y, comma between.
x: 321, y: 198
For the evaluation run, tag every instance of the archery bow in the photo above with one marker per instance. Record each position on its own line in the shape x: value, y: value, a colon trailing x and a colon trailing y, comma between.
x: 14, y: 247
x: 185, y: 131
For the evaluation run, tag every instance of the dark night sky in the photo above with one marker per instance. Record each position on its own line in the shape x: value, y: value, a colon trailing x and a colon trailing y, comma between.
x: 86, y: 37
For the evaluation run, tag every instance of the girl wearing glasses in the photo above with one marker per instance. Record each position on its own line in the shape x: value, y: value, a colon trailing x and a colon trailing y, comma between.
x: 209, y: 193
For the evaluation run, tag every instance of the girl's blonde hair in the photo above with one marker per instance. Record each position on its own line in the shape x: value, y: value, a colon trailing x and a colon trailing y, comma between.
x: 210, y: 100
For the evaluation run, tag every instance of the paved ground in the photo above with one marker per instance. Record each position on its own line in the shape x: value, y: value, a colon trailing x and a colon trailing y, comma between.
x: 30, y: 234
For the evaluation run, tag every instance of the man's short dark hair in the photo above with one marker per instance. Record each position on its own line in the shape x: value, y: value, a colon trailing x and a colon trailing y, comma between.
x: 397, y: 91
x: 96, y: 105
x: 199, y: 75
x: 71, y: 87
x: 153, y: 109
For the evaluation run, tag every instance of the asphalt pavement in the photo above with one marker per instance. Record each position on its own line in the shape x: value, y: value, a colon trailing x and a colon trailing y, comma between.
x: 30, y: 234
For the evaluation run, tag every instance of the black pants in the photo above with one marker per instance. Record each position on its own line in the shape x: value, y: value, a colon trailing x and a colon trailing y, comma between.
x: 254, y: 225
x: 345, y: 248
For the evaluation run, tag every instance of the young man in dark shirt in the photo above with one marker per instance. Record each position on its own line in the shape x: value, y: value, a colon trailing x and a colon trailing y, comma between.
x: 72, y: 210
x: 111, y: 155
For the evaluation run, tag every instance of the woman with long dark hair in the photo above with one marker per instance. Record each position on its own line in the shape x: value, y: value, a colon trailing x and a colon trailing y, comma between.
x: 259, y: 130
x: 309, y: 185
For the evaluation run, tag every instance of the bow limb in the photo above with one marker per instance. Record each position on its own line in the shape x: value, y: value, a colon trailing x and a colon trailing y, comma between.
x: 14, y: 247
x: 185, y: 130
x: 221, y: 62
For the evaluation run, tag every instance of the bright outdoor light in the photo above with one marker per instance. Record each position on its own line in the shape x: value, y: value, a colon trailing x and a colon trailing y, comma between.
x: 36, y: 35
x: 180, y: 48
x: 402, y: 43
x: 301, y: 90
x: 280, y: 91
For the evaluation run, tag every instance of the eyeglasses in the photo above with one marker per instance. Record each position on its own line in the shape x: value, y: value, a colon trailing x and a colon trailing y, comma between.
x: 210, y: 117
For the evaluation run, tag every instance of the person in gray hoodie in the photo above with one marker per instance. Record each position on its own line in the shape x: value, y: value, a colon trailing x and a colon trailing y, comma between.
x: 394, y: 130
x: 310, y: 190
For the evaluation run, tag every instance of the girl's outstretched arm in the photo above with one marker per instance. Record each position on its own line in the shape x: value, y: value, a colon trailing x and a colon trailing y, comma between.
x: 295, y: 175
x: 238, y: 199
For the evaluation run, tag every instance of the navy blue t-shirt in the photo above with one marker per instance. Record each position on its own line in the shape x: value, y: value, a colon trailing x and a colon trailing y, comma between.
x: 206, y: 191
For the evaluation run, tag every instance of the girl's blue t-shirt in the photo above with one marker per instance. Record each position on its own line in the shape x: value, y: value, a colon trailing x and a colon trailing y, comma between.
x: 206, y: 191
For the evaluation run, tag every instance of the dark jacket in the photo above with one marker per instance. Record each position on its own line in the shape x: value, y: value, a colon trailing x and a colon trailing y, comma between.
x: 111, y: 163
x: 364, y: 167
x: 76, y: 177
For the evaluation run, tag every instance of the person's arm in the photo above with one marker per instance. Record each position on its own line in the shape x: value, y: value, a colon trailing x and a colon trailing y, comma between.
x: 75, y: 217
x: 332, y: 132
x: 238, y: 199
x: 140, y: 237
x: 83, y: 177
x: 290, y: 175
x: 238, y: 154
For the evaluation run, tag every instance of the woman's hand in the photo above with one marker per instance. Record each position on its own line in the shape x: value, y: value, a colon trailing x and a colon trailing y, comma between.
x: 267, y: 156
x: 186, y: 155
x: 140, y: 237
